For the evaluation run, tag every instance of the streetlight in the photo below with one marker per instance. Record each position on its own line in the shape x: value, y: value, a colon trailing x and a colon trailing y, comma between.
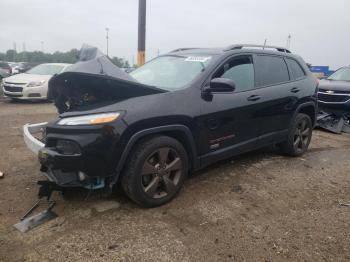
x: 107, y: 30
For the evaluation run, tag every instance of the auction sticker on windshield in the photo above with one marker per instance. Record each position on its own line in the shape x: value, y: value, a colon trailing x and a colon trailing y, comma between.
x: 201, y: 59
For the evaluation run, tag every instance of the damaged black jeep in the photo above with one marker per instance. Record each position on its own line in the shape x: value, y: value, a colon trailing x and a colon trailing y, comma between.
x: 176, y: 114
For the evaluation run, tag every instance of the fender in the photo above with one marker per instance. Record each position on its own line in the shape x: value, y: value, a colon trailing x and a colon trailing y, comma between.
x: 156, y: 130
x: 301, y: 106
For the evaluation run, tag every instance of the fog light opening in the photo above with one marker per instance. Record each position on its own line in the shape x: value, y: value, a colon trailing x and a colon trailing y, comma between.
x: 82, y: 176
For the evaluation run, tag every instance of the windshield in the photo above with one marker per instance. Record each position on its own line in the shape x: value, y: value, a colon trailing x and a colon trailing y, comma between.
x: 171, y: 72
x: 45, y: 69
x: 343, y: 74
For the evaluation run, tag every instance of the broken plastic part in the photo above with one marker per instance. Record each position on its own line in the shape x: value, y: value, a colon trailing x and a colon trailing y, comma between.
x: 334, y: 122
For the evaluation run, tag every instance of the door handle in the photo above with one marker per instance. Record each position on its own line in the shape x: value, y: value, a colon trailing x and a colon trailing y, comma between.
x: 253, y: 98
x: 295, y: 90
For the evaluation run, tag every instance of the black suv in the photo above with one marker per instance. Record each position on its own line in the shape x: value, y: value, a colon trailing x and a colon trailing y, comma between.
x: 176, y: 114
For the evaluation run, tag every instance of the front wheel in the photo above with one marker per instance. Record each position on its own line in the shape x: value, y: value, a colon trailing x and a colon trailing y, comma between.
x: 156, y: 171
x: 299, y: 136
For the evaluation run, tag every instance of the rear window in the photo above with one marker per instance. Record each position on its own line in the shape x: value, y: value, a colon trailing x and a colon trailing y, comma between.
x: 295, y: 70
x: 271, y: 70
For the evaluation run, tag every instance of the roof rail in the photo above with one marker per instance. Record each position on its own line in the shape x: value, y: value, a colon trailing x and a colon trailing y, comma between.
x: 183, y: 49
x: 241, y: 46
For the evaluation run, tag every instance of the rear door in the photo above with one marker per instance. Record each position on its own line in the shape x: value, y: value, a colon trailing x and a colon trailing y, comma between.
x: 278, y: 98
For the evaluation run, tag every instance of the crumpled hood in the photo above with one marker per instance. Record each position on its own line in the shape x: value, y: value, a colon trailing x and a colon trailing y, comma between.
x: 26, y: 78
x: 334, y: 85
x: 94, y: 80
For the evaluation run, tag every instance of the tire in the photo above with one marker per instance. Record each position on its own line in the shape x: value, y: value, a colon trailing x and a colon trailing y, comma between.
x: 156, y: 170
x: 299, y: 136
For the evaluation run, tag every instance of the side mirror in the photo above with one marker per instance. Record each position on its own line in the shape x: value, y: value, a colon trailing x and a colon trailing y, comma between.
x: 221, y: 85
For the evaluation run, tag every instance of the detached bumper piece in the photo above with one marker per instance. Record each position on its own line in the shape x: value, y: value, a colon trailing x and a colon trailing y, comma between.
x: 334, y: 122
x: 33, y: 143
x: 45, y: 191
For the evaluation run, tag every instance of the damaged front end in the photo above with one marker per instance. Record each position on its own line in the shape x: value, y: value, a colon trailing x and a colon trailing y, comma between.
x: 334, y: 103
x: 81, y: 148
x: 94, y: 81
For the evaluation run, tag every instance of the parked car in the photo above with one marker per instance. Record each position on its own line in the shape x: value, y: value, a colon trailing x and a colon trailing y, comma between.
x: 20, y: 67
x: 334, y: 91
x: 32, y: 84
x: 172, y: 116
x: 13, y: 68
x: 3, y: 74
x: 6, y: 67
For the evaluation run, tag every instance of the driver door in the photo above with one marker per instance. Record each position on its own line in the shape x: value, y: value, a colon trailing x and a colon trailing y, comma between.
x: 227, y: 121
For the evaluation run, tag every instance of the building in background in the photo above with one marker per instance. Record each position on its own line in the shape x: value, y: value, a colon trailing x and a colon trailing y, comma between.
x: 321, y: 71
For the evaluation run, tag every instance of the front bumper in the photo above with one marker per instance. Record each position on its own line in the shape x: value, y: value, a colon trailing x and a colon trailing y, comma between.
x: 25, y: 93
x: 89, y: 167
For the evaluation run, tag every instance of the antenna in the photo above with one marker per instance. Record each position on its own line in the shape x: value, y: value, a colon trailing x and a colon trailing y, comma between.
x: 288, y: 41
x: 107, y: 38
x: 264, y: 43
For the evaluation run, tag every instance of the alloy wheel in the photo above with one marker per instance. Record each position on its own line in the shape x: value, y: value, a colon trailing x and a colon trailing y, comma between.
x: 302, y: 135
x: 161, y: 173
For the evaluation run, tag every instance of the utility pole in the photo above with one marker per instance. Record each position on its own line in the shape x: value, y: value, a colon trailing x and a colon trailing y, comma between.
x: 14, y: 52
x: 24, y: 55
x: 288, y: 41
x: 107, y: 38
x: 141, y: 33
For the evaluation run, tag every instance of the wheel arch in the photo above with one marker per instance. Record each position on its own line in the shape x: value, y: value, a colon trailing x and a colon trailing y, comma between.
x: 308, y: 108
x: 179, y: 132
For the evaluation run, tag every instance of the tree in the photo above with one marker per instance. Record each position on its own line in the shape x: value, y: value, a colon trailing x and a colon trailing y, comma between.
x: 70, y: 57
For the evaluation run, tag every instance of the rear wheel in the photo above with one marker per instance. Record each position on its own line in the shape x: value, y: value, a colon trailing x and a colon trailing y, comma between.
x: 299, y: 136
x: 156, y: 171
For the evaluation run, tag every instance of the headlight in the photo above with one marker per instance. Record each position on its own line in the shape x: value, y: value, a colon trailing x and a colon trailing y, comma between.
x: 36, y: 83
x: 89, y: 119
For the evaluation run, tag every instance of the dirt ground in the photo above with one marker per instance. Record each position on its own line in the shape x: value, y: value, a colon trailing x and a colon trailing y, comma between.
x: 260, y: 206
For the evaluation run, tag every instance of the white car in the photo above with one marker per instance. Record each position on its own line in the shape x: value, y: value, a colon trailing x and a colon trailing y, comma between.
x: 33, y: 84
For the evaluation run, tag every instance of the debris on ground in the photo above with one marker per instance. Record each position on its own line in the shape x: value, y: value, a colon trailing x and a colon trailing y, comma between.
x: 335, y: 122
x: 2, y: 175
x: 237, y: 188
x: 102, y: 206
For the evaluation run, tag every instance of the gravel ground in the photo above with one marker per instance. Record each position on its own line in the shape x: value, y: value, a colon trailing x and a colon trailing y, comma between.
x: 260, y: 206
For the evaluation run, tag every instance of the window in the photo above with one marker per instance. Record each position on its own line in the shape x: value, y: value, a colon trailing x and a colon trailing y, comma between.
x: 271, y: 70
x: 46, y: 69
x: 295, y: 70
x: 240, y: 70
x: 343, y: 74
x: 171, y: 72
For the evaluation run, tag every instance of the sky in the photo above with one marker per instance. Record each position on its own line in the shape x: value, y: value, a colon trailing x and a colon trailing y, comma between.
x: 319, y: 29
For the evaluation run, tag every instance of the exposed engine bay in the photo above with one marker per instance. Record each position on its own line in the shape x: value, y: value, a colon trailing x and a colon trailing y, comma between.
x: 94, y: 80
